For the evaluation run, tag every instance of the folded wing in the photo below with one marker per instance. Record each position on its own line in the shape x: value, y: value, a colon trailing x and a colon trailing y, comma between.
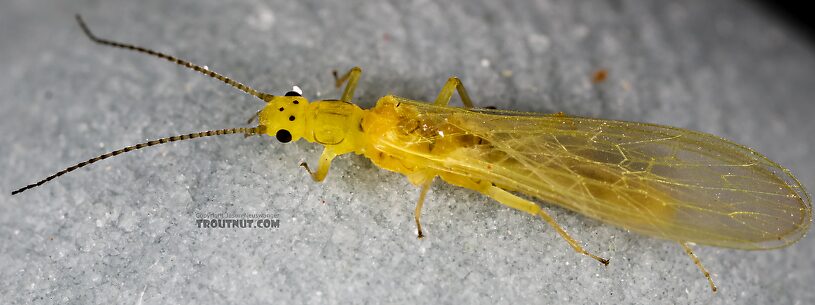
x: 656, y: 180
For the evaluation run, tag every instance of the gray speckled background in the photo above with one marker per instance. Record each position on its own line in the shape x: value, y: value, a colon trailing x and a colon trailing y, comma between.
x: 123, y: 231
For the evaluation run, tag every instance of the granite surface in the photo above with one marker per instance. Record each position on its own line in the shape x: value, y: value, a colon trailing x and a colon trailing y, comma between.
x: 124, y: 230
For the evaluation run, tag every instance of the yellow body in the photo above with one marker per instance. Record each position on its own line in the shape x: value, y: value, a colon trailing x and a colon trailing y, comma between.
x: 656, y: 180
x: 660, y: 181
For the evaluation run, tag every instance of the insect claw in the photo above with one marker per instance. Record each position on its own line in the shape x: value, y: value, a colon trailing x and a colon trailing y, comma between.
x: 599, y: 259
x: 337, y: 82
x: 419, y: 233
x: 305, y: 165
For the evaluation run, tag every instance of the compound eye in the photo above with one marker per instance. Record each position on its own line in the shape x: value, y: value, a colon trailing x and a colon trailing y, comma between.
x: 295, y: 91
x: 284, y: 136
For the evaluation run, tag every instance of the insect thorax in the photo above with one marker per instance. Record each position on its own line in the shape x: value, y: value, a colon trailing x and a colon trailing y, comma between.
x: 400, y: 138
x: 336, y: 124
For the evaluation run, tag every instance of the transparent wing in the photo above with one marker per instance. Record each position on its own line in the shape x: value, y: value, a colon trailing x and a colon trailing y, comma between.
x: 656, y: 180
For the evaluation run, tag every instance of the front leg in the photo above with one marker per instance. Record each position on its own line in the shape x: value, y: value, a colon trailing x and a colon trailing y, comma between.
x: 322, y: 166
x: 352, y: 76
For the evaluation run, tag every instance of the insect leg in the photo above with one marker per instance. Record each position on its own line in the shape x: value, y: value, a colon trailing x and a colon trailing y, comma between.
x: 698, y: 264
x: 352, y: 76
x: 418, y: 213
x: 521, y: 204
x: 322, y: 167
x: 453, y: 83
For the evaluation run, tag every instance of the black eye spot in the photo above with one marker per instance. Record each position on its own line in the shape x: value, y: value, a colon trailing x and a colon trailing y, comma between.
x: 291, y: 118
x: 284, y: 136
x: 293, y: 93
x: 281, y: 108
x: 296, y: 102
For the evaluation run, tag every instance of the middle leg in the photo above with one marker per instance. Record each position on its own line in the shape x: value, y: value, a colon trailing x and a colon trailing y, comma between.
x: 418, y: 212
x: 453, y: 84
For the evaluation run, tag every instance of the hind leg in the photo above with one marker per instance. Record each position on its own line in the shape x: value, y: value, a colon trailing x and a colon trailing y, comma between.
x: 515, y: 202
x: 698, y: 263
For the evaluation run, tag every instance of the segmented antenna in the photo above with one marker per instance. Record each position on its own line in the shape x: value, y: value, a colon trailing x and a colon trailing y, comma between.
x: 263, y: 96
x: 243, y: 130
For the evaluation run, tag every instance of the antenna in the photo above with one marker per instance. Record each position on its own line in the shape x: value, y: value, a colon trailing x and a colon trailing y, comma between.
x: 263, y: 96
x: 244, y: 130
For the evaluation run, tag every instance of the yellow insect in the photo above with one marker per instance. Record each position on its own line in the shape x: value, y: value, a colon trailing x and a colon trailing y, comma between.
x: 659, y: 181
